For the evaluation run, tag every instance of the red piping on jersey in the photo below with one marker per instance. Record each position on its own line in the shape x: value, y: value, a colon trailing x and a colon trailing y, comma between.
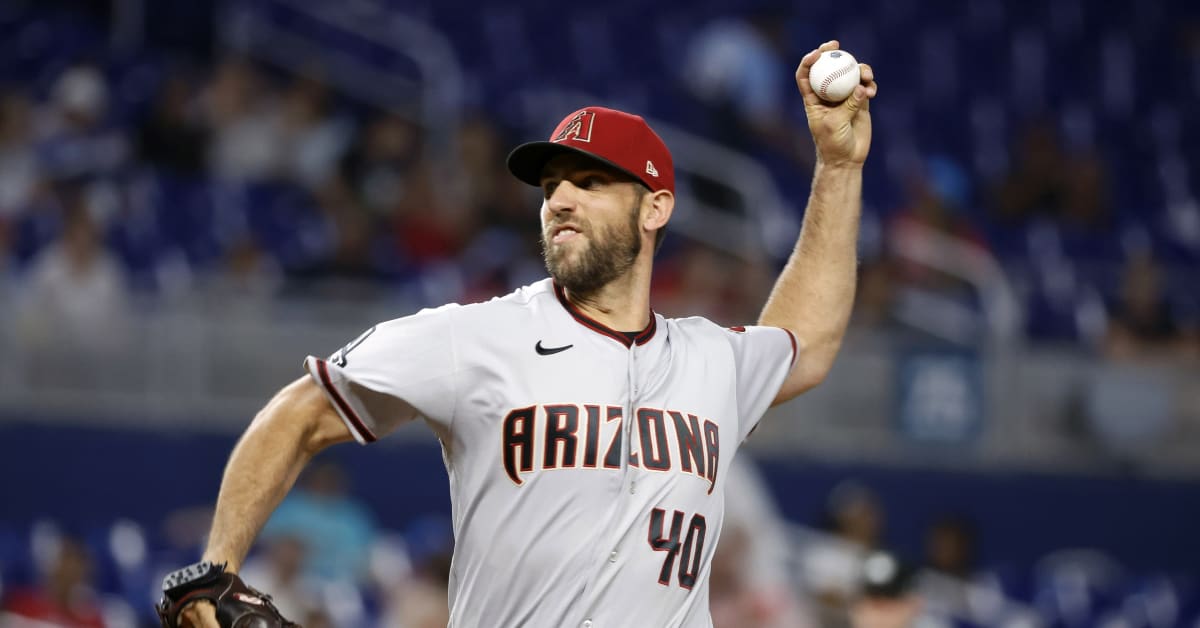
x: 795, y: 351
x: 641, y: 338
x: 323, y: 371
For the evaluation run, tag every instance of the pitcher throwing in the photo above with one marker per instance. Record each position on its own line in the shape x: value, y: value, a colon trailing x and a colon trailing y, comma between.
x: 585, y: 436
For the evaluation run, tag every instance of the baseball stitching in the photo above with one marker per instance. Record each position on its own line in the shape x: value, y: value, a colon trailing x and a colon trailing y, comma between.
x: 833, y: 76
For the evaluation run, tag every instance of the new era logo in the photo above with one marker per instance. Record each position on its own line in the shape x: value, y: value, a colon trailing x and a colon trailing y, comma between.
x: 650, y: 169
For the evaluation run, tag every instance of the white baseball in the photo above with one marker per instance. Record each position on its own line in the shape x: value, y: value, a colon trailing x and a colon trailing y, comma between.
x: 834, y: 75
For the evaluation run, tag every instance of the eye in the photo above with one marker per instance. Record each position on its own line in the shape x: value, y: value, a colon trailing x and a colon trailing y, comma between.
x: 592, y: 182
x: 548, y: 189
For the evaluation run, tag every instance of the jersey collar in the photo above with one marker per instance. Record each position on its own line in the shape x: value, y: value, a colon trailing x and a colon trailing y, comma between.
x: 641, y: 338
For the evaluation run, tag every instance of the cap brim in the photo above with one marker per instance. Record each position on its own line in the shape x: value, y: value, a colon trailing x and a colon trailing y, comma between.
x: 527, y: 160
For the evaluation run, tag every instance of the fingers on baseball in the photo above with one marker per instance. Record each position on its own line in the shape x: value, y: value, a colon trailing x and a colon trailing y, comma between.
x: 868, y: 86
x: 802, y: 72
x: 806, y: 90
x: 812, y: 56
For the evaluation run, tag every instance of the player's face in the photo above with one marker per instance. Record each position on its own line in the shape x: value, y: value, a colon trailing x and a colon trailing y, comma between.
x: 590, y: 222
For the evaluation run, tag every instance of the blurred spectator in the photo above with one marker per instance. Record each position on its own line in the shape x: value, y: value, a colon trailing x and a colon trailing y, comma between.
x: 244, y: 116
x: 383, y: 161
x: 875, y: 298
x: 1141, y: 324
x: 1045, y: 181
x: 949, y: 582
x: 1034, y: 185
x: 505, y: 252
x: 185, y: 529
x: 74, y: 137
x: 1087, y: 205
x: 938, y: 197
x: 832, y: 564
x: 422, y: 600
x: 1128, y: 404
x: 855, y: 515
x: 335, y: 527
x: 750, y: 284
x: 733, y: 68
x: 1073, y: 585
x: 434, y: 221
x: 752, y: 584
x: 354, y: 229
x: 430, y: 227
x: 701, y: 280
x: 65, y: 595
x: 173, y: 136
x: 888, y: 599
x: 6, y: 239
x: 479, y: 162
x: 910, y: 273
x: 694, y: 283
x: 75, y: 297
x: 249, y: 277
x: 279, y: 570
x: 390, y: 176
x: 19, y: 170
x: 950, y: 547
x: 314, y: 140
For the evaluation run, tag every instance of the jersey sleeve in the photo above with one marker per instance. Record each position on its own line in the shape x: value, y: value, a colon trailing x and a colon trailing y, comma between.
x: 392, y: 373
x: 763, y: 357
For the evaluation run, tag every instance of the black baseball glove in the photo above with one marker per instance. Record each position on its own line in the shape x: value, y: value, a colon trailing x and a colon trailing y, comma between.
x: 238, y: 605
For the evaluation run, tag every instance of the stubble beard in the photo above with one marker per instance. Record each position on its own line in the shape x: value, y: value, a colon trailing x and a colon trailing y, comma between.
x: 608, y: 254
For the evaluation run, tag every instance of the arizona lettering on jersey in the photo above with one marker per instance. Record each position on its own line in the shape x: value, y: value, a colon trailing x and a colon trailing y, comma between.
x: 586, y: 467
x: 570, y: 436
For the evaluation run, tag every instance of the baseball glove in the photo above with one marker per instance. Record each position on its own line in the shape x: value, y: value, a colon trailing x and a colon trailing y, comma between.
x: 238, y: 605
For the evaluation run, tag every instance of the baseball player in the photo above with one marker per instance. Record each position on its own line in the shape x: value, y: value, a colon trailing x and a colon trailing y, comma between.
x: 585, y: 436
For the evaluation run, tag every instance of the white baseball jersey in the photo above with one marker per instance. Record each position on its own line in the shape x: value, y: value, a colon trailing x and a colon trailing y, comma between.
x: 586, y: 465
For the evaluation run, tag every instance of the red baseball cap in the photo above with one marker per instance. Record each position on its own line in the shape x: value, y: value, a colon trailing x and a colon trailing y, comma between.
x: 621, y: 140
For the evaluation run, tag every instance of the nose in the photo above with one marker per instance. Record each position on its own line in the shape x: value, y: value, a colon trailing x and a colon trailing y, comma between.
x: 563, y: 198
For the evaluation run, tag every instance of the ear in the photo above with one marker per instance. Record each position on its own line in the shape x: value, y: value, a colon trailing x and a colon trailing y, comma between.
x: 656, y: 209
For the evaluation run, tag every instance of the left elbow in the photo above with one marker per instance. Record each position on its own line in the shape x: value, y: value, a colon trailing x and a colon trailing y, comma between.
x: 803, y: 378
x: 811, y: 376
x: 816, y: 362
x: 812, y: 365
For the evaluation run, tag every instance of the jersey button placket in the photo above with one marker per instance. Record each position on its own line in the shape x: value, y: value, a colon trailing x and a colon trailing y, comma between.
x: 634, y: 387
x: 587, y: 623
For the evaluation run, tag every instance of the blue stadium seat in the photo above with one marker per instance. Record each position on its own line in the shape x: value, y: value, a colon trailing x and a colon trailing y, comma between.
x: 185, y: 213
x: 285, y: 221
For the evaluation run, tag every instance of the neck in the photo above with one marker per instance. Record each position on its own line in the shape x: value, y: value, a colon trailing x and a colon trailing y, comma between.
x: 622, y: 304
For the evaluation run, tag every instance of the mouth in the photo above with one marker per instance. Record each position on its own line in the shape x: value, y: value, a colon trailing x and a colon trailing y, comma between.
x: 564, y: 233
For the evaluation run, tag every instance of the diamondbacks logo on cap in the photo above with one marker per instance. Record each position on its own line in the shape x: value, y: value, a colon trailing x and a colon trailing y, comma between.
x: 650, y: 169
x: 578, y: 128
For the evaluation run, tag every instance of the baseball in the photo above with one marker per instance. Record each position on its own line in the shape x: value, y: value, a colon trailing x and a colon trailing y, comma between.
x: 834, y: 75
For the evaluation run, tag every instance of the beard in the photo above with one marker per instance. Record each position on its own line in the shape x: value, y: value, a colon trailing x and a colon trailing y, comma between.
x: 607, y: 254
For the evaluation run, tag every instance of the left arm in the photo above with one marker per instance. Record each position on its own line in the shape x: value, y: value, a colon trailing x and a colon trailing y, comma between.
x: 814, y: 294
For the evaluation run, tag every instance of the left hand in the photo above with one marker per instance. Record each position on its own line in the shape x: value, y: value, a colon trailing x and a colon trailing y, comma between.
x: 841, y: 132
